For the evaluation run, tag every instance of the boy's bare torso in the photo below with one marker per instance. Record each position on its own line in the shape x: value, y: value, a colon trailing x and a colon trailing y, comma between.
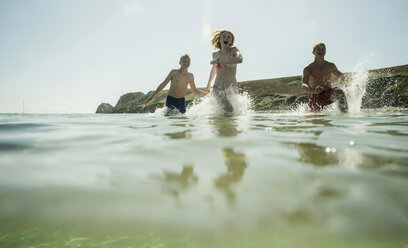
x: 179, y: 83
x: 320, y: 74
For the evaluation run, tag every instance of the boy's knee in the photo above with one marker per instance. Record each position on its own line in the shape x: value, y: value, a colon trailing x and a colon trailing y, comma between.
x: 339, y: 94
x: 338, y: 91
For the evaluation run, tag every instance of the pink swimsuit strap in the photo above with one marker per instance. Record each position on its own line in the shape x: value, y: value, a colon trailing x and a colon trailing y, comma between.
x: 218, y: 65
x: 218, y: 87
x: 236, y: 91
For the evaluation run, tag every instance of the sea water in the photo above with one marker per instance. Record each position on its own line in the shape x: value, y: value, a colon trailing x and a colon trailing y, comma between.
x: 215, y: 181
x: 277, y: 179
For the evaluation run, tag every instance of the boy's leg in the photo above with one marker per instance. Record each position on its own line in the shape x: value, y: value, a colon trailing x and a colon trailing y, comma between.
x: 176, y: 103
x: 182, y: 105
x: 170, y: 106
x: 341, y: 97
x: 313, y: 105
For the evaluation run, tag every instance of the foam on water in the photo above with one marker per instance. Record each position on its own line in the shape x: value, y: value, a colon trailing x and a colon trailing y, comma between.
x: 165, y: 111
x: 303, y: 109
x: 208, y: 106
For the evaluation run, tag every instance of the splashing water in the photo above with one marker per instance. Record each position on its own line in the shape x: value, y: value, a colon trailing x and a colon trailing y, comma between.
x: 165, y: 111
x: 208, y: 106
x: 354, y: 91
x: 356, y: 88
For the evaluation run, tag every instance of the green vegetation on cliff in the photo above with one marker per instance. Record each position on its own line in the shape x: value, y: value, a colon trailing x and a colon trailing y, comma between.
x: 104, y: 108
x: 385, y: 87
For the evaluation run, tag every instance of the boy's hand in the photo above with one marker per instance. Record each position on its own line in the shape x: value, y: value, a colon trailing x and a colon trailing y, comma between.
x: 319, y: 89
x: 307, y: 88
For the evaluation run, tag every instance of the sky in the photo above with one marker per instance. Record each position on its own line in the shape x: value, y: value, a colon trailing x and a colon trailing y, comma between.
x: 68, y: 56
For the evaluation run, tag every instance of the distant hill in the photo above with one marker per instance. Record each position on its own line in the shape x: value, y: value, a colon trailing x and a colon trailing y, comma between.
x: 386, y: 87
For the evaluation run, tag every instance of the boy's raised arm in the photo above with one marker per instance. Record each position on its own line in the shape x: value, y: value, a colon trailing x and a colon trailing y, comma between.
x: 337, y: 73
x: 194, y: 88
x: 161, y: 86
x: 305, y: 80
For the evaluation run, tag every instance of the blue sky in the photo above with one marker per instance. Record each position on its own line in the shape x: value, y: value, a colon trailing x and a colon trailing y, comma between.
x: 67, y: 56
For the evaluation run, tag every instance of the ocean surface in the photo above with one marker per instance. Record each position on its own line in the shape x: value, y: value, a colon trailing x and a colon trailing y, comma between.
x: 252, y: 180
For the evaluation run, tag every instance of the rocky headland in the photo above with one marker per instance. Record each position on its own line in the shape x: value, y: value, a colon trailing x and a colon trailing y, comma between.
x: 386, y: 87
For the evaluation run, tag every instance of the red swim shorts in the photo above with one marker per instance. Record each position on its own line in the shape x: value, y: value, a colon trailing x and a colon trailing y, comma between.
x: 318, y: 101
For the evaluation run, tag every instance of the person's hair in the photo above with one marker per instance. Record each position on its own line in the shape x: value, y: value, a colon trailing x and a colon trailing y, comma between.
x: 215, y: 40
x: 317, y: 45
x: 185, y: 55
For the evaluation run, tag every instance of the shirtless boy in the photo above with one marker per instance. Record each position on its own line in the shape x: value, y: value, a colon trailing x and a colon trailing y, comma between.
x: 317, y: 79
x: 180, y: 79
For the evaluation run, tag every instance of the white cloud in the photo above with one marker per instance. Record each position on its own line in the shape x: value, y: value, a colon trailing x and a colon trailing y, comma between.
x: 206, y: 32
x: 133, y: 8
x: 206, y: 27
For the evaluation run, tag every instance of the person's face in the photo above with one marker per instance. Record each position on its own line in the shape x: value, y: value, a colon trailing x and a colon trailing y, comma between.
x: 226, y: 39
x: 185, y: 62
x: 320, y: 50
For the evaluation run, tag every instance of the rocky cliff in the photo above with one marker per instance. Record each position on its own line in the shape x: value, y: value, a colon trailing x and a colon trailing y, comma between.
x: 385, y: 87
x: 104, y: 108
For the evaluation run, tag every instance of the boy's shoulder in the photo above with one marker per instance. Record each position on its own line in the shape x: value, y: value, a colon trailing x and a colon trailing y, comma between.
x: 174, y: 72
x: 177, y: 71
x: 308, y: 67
x: 311, y: 65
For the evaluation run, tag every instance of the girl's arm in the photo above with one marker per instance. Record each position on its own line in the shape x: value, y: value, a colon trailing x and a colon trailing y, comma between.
x: 212, y: 75
x: 213, y: 70
x: 235, y: 58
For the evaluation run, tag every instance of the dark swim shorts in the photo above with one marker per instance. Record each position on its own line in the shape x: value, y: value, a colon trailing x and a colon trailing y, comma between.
x: 176, y: 103
x: 318, y: 101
